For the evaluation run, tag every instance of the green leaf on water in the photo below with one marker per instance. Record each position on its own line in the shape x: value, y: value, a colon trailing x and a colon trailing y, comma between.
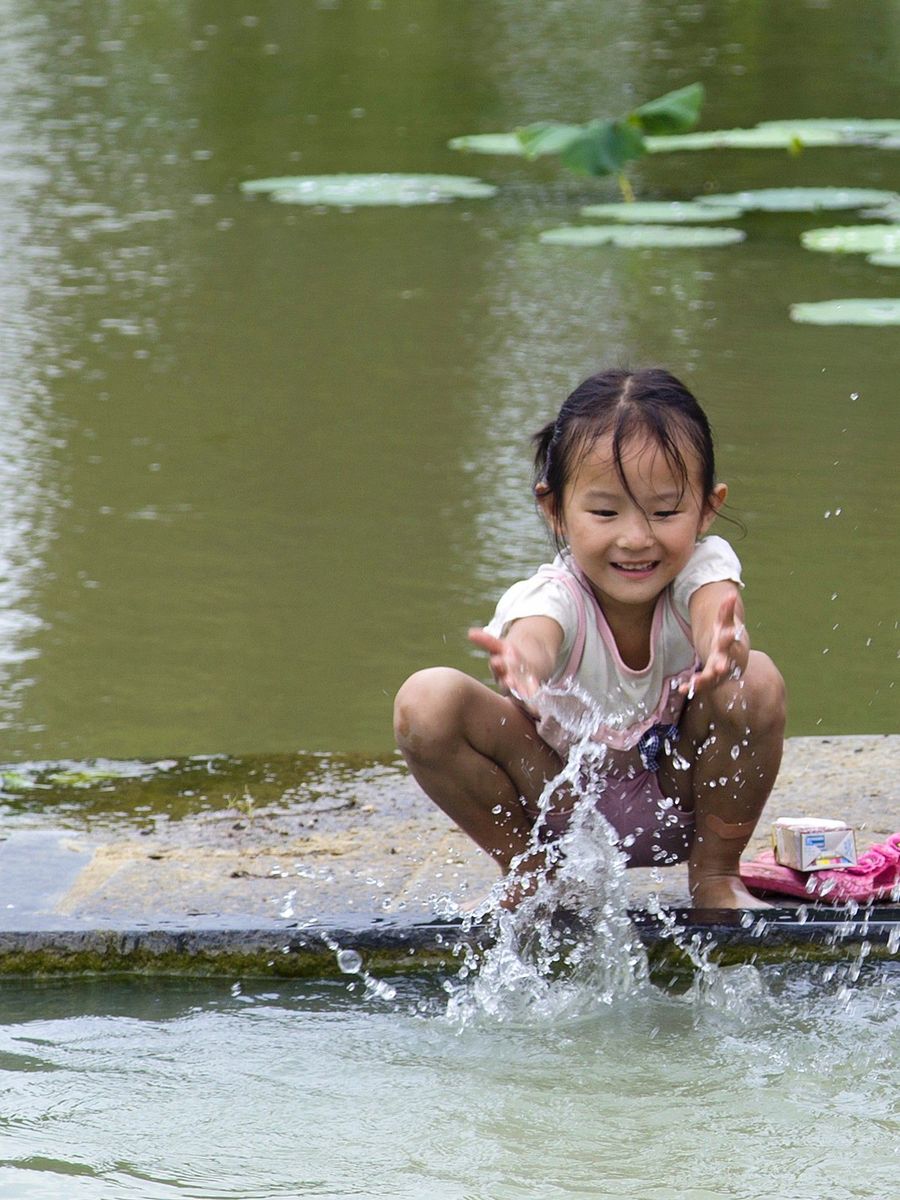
x: 889, y: 212
x: 489, y: 143
x: 799, y: 199
x: 597, y: 148
x: 548, y: 137
x: 638, y: 236
x: 888, y: 259
x: 849, y: 127
x: 676, y: 112
x: 352, y: 191
x: 666, y: 212
x: 745, y: 139
x: 848, y: 312
x: 853, y: 239
x: 605, y: 148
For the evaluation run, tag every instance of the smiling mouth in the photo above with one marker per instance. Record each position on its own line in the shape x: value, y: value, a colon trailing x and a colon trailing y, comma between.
x: 642, y: 568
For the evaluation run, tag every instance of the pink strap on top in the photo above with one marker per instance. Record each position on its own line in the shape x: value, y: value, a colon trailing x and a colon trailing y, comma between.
x: 685, y: 627
x: 577, y: 652
x: 669, y: 704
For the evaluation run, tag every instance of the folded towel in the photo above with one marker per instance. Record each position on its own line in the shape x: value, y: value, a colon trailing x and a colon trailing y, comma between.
x: 876, y: 876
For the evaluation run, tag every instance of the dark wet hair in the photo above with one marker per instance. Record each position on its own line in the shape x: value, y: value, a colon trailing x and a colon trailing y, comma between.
x: 649, y: 403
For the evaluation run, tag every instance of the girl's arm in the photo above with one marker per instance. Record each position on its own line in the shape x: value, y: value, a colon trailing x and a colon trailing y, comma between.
x: 719, y: 635
x: 526, y: 658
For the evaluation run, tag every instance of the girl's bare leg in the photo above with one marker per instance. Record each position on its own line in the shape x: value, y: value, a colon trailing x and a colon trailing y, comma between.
x: 478, y: 757
x: 732, y: 738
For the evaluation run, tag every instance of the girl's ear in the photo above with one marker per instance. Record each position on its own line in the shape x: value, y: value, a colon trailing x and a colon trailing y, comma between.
x: 547, y: 505
x: 714, y: 502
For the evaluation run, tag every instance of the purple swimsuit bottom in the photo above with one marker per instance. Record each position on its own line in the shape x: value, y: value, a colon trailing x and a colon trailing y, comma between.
x: 654, y: 832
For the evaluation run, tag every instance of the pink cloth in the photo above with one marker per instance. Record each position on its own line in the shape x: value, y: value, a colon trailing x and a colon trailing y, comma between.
x: 876, y: 876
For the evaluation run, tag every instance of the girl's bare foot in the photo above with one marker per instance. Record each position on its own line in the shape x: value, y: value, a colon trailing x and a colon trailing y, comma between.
x: 724, y: 891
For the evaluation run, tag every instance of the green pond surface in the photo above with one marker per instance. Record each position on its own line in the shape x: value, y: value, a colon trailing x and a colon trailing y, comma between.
x: 259, y: 462
x: 760, y: 1085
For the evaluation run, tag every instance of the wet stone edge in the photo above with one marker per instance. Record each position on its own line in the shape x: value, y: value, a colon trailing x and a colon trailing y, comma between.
x: 776, y: 936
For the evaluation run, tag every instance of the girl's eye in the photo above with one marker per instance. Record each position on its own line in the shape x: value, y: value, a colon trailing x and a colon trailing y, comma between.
x: 667, y: 512
x: 604, y: 512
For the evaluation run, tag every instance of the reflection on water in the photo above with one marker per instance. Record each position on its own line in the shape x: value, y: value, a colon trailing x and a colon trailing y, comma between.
x: 258, y: 464
x: 782, y: 1083
x: 28, y: 488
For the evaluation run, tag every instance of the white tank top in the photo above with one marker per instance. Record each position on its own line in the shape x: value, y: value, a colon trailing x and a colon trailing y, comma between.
x: 592, y: 691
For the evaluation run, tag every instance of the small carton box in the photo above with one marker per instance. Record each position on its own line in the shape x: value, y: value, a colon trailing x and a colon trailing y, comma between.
x: 810, y: 844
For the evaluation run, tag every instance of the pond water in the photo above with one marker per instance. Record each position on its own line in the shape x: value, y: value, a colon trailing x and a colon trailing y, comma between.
x: 261, y: 462
x: 772, y: 1084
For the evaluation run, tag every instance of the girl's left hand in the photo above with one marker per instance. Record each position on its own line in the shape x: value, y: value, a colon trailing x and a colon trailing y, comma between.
x: 728, y: 655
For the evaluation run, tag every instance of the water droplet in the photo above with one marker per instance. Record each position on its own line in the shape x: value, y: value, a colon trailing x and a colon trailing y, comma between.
x: 497, y: 810
x: 349, y: 961
x: 735, y: 751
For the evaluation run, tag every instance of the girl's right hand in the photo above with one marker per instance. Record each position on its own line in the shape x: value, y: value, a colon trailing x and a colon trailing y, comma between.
x: 508, y: 665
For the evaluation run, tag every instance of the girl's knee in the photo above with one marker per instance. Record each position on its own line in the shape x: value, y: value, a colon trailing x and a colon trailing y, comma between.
x: 767, y: 689
x: 425, y: 707
x: 757, y: 700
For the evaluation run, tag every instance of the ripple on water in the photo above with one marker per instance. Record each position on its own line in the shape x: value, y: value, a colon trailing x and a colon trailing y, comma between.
x: 165, y: 1088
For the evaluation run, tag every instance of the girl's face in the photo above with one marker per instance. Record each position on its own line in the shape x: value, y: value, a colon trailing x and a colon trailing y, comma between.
x: 631, y: 549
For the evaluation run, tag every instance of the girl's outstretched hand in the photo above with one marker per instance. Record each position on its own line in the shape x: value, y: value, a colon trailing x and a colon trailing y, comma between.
x: 508, y: 665
x: 729, y: 651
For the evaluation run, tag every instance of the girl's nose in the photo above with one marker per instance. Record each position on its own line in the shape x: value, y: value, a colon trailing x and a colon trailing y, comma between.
x: 635, y: 532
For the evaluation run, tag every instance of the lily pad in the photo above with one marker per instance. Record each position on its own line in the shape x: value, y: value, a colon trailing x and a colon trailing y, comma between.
x: 799, y: 199
x: 489, y: 143
x: 853, y: 239
x: 786, y: 138
x: 848, y: 312
x: 353, y: 191
x: 849, y: 126
x: 638, y: 236
x: 669, y: 212
x: 888, y: 259
x: 886, y: 212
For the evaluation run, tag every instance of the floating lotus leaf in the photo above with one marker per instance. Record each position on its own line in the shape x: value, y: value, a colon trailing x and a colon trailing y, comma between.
x: 799, y: 199
x: 637, y: 236
x: 853, y: 239
x: 888, y: 259
x: 676, y: 112
x: 669, y: 212
x: 352, y: 191
x: 887, y: 212
x: 848, y: 312
x: 489, y: 143
x: 850, y: 126
x: 786, y: 138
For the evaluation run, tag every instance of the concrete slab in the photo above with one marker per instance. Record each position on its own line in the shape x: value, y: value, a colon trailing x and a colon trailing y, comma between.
x: 211, y: 863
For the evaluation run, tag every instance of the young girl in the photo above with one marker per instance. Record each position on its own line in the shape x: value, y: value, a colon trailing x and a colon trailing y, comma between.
x: 635, y: 635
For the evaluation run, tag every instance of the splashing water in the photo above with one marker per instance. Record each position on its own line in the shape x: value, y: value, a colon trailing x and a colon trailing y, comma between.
x: 567, y: 947
x: 350, y: 962
x: 558, y: 939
